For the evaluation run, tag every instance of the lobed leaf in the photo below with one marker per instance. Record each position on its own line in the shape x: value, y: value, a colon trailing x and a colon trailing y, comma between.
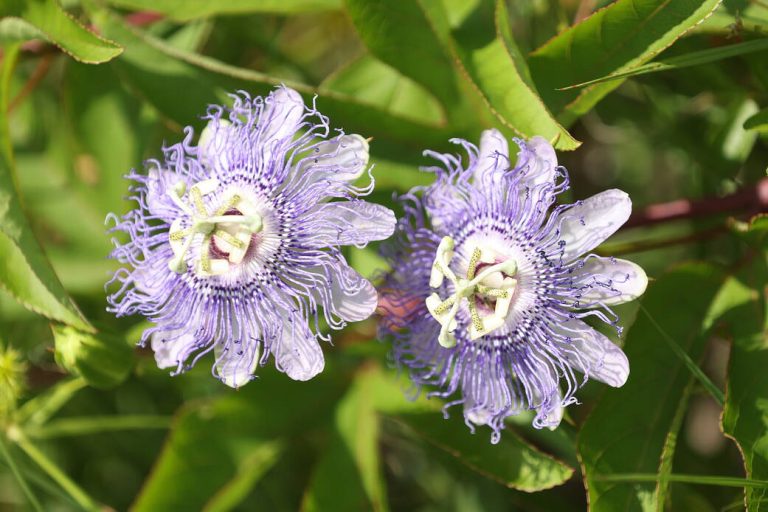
x: 644, y: 416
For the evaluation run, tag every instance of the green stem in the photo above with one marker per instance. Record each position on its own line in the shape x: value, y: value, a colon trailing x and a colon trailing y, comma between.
x: 19, y: 477
x: 697, y: 372
x: 725, y: 481
x: 38, y: 410
x: 97, y: 424
x: 47, y: 465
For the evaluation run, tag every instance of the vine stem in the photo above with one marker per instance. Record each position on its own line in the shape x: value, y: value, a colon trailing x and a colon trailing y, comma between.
x: 725, y: 481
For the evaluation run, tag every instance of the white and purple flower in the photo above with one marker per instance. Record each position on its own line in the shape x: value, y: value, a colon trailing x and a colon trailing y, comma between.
x: 489, y: 290
x: 234, y: 245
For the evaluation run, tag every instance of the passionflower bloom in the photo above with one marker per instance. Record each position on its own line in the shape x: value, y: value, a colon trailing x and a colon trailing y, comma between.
x: 489, y: 289
x: 234, y: 244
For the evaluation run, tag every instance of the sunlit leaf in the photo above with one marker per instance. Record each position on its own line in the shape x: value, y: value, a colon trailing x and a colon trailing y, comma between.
x: 617, y: 38
x: 488, y: 54
x: 758, y: 121
x: 634, y: 429
x: 24, y: 270
x: 183, y: 10
x: 62, y: 29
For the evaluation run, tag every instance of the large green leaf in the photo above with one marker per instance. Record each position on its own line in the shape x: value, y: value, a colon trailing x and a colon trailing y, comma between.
x: 218, y: 448
x: 488, y: 54
x: 352, y: 457
x: 184, y: 10
x: 745, y: 416
x: 24, y: 270
x: 402, y: 35
x: 617, y: 38
x: 62, y: 29
x: 634, y: 429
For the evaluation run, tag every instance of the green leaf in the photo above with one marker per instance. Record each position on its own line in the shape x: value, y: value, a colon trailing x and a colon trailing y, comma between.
x: 683, y: 61
x: 185, y: 10
x: 644, y: 416
x: 758, y: 122
x: 512, y: 462
x: 402, y: 35
x: 62, y: 29
x: 159, y: 71
x: 24, y: 270
x: 352, y: 457
x: 103, y: 360
x: 488, y: 54
x: 617, y: 38
x: 16, y: 30
x: 371, y: 81
x: 745, y: 416
x: 219, y: 448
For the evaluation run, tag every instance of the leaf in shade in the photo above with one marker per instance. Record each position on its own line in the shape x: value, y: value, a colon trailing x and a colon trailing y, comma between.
x: 219, y: 448
x: 644, y: 416
x: 62, y: 30
x: 621, y: 36
x: 758, y: 122
x: 745, y: 416
x: 488, y: 54
x: 185, y: 10
x: 352, y: 457
x: 683, y: 61
x: 24, y: 269
x: 512, y: 462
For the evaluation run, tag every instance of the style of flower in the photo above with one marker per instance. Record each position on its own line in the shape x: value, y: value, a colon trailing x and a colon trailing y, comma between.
x: 234, y: 245
x: 489, y: 291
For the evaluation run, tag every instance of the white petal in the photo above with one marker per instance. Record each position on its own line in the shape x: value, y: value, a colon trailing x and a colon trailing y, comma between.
x: 213, y: 142
x: 541, y: 164
x: 587, y: 225
x: 297, y: 352
x: 170, y: 347
x: 594, y: 354
x: 341, y: 160
x: 349, y: 223
x: 282, y: 115
x: 236, y: 362
x: 159, y: 184
x: 612, y: 281
x: 354, y: 298
x: 493, y: 158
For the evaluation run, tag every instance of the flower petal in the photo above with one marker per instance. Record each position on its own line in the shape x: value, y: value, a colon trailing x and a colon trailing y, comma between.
x: 537, y: 161
x: 236, y: 362
x: 348, y: 223
x: 493, y: 158
x: 610, y: 281
x: 587, y: 224
x: 353, y: 298
x: 594, y: 354
x: 171, y: 348
x: 159, y: 184
x: 212, y: 145
x: 282, y: 116
x: 297, y: 352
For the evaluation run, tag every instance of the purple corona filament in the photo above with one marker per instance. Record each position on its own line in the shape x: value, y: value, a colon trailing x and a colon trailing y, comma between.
x: 489, y: 289
x: 233, y: 247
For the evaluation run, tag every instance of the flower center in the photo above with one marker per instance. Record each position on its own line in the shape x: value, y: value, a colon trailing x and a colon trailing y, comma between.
x: 225, y: 235
x: 488, y: 289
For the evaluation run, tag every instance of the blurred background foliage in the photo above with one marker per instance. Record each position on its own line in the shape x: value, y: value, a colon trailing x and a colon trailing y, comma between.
x: 89, y: 89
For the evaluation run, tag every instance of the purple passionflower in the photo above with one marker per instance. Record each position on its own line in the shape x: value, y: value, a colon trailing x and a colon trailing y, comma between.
x: 489, y: 290
x: 234, y: 244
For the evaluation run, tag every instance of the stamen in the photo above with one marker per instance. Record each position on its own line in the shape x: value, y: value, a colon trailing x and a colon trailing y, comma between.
x: 444, y: 311
x: 238, y: 236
